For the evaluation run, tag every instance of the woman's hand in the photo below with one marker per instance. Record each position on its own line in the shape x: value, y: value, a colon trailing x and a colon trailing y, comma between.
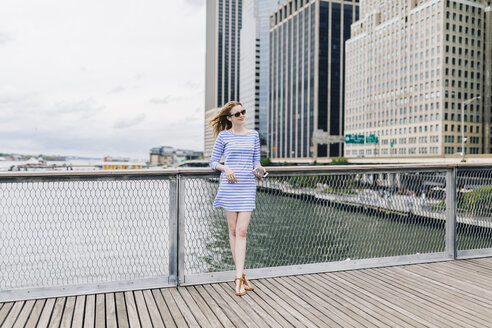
x: 257, y: 174
x: 231, y: 177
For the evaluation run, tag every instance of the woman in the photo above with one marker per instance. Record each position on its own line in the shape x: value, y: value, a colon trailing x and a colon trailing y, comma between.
x: 237, y: 186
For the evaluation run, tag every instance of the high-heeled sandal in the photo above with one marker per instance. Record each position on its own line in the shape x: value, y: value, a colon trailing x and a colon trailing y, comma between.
x: 247, y: 285
x: 240, y: 284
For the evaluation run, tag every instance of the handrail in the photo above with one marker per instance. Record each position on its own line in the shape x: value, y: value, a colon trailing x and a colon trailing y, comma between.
x: 207, y: 171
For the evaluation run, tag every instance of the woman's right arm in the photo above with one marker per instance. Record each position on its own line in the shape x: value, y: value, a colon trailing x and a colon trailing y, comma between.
x: 217, y: 153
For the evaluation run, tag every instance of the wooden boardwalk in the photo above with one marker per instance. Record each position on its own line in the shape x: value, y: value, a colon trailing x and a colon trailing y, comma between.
x: 445, y: 294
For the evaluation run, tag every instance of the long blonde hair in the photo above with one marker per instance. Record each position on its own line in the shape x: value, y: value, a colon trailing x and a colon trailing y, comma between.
x: 220, y: 122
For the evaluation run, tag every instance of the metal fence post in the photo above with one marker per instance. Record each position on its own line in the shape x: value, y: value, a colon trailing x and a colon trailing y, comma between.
x: 173, y: 230
x: 451, y: 213
x: 181, y: 230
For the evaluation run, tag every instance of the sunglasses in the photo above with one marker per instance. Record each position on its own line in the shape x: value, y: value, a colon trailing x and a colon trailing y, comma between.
x: 239, y: 113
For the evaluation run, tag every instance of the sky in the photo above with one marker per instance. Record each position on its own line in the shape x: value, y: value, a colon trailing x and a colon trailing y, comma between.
x: 95, y: 78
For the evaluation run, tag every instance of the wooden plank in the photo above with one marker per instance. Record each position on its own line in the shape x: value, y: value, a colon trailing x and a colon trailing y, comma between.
x: 163, y: 309
x: 56, y: 315
x: 467, y: 265
x: 438, y: 288
x: 353, y: 307
x: 173, y: 307
x: 214, y: 307
x: 13, y: 314
x: 131, y: 307
x: 471, y: 264
x: 239, y: 305
x: 143, y: 312
x: 224, y: 306
x: 5, y: 311
x: 44, y: 319
x: 90, y: 311
x: 67, y: 316
x: 281, y: 314
x: 24, y: 314
x: 458, y: 272
x: 431, y: 306
x: 110, y: 311
x: 423, y: 289
x: 188, y: 316
x: 237, y: 310
x: 484, y: 262
x: 100, y: 311
x: 328, y: 306
x: 121, y: 313
x: 269, y: 317
x: 203, y: 307
x: 379, y: 299
x: 310, y: 314
x: 78, y: 312
x: 195, y: 309
x: 35, y: 314
x: 455, y: 283
x: 400, y: 299
x: 154, y: 313
x: 284, y: 309
x: 261, y: 306
x: 341, y: 300
x: 422, y: 277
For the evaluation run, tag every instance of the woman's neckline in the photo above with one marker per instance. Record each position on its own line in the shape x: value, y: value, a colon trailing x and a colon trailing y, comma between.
x: 235, y: 134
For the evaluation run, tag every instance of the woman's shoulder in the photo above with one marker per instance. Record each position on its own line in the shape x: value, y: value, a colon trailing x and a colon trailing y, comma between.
x: 222, y: 134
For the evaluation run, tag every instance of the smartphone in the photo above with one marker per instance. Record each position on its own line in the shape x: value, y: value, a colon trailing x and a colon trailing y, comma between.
x: 261, y: 173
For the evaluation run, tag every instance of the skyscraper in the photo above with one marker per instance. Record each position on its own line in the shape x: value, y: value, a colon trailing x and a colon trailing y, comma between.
x: 254, y: 62
x: 307, y: 76
x: 222, y: 59
x: 415, y: 72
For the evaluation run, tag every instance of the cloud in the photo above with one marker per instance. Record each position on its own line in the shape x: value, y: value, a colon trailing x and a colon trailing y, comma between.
x: 197, y: 3
x: 128, y: 123
x: 192, y: 85
x: 85, y: 108
x: 118, y: 89
x: 4, y: 38
x: 164, y: 101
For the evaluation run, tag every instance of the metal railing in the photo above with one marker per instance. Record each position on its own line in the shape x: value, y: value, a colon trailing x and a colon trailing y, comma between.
x: 67, y: 233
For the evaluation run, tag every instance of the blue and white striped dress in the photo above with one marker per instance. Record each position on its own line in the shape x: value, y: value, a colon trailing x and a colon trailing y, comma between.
x: 242, y: 154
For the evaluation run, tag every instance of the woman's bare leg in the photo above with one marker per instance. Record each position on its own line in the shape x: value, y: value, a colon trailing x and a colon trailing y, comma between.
x: 243, y: 219
x: 232, y: 222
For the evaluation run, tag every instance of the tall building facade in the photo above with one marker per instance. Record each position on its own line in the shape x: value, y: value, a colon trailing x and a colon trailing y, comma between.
x: 307, y: 76
x: 411, y: 66
x: 488, y: 80
x: 254, y: 62
x: 222, y: 64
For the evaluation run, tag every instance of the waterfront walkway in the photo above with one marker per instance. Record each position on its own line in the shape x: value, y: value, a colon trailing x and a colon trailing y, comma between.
x: 444, y: 294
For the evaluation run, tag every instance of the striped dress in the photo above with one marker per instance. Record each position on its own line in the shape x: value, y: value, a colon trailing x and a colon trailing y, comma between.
x: 242, y: 154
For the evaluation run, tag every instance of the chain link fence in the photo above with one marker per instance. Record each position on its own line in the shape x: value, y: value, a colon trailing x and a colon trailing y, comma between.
x: 58, y: 232
x: 474, y: 209
x: 140, y: 229
x: 303, y: 219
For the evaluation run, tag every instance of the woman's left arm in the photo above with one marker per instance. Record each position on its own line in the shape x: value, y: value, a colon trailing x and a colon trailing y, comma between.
x: 256, y: 154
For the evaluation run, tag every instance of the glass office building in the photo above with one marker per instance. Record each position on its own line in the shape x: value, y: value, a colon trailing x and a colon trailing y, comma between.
x: 307, y: 76
x: 254, y: 62
x: 224, y: 19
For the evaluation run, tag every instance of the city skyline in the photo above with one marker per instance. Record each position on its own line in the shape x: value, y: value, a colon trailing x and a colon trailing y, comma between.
x: 128, y: 81
x: 96, y: 79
